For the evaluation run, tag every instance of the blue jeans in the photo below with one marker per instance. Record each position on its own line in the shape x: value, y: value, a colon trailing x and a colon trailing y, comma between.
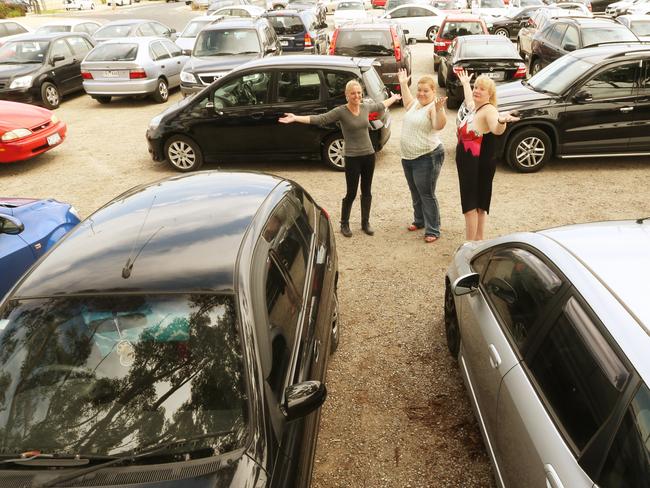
x: 422, y: 175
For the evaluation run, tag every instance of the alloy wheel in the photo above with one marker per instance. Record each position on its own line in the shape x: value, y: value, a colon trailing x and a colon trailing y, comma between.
x: 181, y: 155
x: 52, y: 95
x: 530, y: 152
x: 335, y: 153
x: 501, y: 32
x: 163, y: 90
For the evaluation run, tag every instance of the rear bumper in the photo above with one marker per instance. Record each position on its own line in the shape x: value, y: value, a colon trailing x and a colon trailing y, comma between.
x: 117, y: 88
x: 35, y: 144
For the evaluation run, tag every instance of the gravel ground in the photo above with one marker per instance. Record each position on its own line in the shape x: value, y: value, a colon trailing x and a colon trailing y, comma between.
x: 397, y: 414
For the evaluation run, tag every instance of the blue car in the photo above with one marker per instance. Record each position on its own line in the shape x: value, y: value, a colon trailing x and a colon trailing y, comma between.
x: 28, y: 229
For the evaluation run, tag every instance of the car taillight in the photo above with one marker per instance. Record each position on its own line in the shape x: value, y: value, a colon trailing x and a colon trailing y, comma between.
x: 307, y: 40
x: 457, y: 70
x: 86, y: 75
x: 373, y: 116
x: 396, y: 45
x: 135, y: 74
x: 335, y: 34
x: 521, y: 71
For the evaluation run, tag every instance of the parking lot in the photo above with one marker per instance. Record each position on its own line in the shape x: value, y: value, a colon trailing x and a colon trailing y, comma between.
x: 396, y: 414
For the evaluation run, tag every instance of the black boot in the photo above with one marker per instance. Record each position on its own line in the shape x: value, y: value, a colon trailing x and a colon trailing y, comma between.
x: 365, y: 215
x: 345, y: 218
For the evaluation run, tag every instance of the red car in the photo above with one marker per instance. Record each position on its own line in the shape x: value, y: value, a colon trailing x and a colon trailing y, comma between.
x: 26, y: 131
x: 454, y: 26
x: 378, y: 3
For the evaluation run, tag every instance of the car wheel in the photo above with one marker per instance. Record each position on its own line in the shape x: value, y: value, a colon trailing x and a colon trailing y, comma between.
x: 50, y: 95
x: 528, y: 150
x: 432, y: 33
x: 183, y: 153
x: 333, y: 152
x: 535, y: 66
x: 103, y: 99
x: 452, y: 330
x: 441, y: 79
x: 502, y: 32
x: 453, y: 103
x: 162, y: 92
x: 336, y: 334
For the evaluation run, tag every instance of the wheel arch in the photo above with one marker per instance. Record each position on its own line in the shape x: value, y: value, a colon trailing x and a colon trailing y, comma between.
x: 548, y: 128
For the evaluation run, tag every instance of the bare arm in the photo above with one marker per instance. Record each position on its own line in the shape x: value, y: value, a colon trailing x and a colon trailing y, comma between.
x: 497, y: 122
x: 437, y: 114
x: 392, y: 99
x: 467, y: 88
x: 290, y: 118
x: 403, y: 79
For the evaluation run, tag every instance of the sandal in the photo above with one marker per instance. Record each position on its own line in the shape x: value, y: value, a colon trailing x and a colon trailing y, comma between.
x: 430, y: 239
x: 413, y: 227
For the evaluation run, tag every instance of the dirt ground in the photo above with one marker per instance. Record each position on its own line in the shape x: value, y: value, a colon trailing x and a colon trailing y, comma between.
x: 397, y: 414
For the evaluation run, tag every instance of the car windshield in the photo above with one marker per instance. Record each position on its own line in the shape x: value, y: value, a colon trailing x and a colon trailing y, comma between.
x: 19, y: 52
x: 457, y: 29
x: 559, y: 75
x: 49, y: 29
x: 224, y: 42
x: 286, y: 24
x: 350, y: 6
x: 107, y: 375
x: 488, y: 50
x: 121, y: 30
x: 113, y: 52
x: 641, y: 27
x: 607, y: 34
x: 310, y: 2
x: 364, y: 43
x: 194, y: 27
x: 492, y: 4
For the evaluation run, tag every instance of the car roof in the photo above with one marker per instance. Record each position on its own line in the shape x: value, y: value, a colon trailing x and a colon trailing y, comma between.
x: 380, y: 24
x: 462, y: 18
x: 483, y: 38
x: 596, y: 54
x: 180, y: 234
x: 127, y: 22
x: 46, y: 36
x: 68, y: 22
x: 591, y: 21
x: 233, y: 22
x: 309, y: 61
x: 133, y: 40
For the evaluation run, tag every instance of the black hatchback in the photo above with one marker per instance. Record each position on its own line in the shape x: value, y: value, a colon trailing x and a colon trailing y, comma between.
x: 299, y: 31
x: 236, y: 117
x: 41, y: 68
x: 177, y: 337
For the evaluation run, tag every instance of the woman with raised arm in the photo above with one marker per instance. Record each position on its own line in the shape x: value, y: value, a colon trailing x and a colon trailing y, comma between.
x: 422, y: 151
x: 359, y: 152
x: 475, y: 151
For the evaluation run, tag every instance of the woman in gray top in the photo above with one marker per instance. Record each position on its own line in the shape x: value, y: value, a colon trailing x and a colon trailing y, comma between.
x: 359, y: 152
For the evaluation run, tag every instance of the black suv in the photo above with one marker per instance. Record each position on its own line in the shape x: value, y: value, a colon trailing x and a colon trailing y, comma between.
x: 42, y: 68
x: 594, y: 102
x: 560, y: 36
x: 225, y: 45
x: 237, y: 116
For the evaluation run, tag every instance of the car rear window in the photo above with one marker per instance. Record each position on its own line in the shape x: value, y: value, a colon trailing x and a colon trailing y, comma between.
x: 49, y: 29
x: 287, y: 24
x: 456, y: 29
x: 350, y: 6
x: 193, y: 28
x: 492, y: 50
x: 376, y: 42
x: 114, y: 52
x: 606, y: 34
x: 114, y: 31
x: 226, y: 41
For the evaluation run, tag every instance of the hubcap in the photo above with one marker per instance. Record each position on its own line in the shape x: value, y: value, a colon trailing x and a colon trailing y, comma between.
x: 433, y: 33
x: 335, y: 153
x: 501, y: 32
x: 181, y: 155
x: 162, y: 88
x: 52, y: 95
x: 530, y: 152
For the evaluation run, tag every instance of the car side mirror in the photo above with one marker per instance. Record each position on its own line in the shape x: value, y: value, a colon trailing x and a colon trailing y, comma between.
x: 570, y: 47
x: 56, y: 58
x: 10, y: 225
x: 523, y: 23
x: 582, y: 96
x: 466, y: 284
x: 303, y: 398
x: 172, y: 31
x: 502, y: 289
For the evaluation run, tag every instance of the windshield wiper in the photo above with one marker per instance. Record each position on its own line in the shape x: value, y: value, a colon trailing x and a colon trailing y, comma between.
x: 47, y: 460
x: 246, y: 52
x: 113, y: 461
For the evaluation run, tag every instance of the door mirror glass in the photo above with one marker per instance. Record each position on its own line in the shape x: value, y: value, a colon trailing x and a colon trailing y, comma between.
x: 582, y: 96
x: 466, y: 284
x: 303, y: 398
x: 10, y: 225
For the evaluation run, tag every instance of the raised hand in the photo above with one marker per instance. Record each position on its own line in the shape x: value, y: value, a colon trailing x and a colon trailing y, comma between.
x: 464, y: 77
x: 440, y: 103
x: 287, y: 119
x: 507, y: 117
x: 402, y: 76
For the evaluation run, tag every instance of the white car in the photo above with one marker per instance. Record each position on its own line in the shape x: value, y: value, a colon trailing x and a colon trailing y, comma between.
x: 490, y: 10
x: 641, y: 7
x: 79, y: 4
x: 9, y: 29
x: 238, y: 11
x: 639, y: 24
x: 576, y: 8
x: 349, y: 11
x: 421, y: 21
x: 187, y: 38
x: 69, y: 25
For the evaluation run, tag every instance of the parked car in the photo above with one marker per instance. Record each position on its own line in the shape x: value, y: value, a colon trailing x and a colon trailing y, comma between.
x: 134, y: 28
x: 9, y: 28
x: 509, y: 26
x: 384, y: 42
x: 226, y: 45
x: 639, y: 24
x: 378, y: 3
x: 237, y: 11
x: 421, y: 21
x: 536, y: 23
x: 489, y: 10
x: 579, y: 8
x: 349, y: 11
x: 79, y: 4
x: 493, y: 56
x: 622, y: 7
x: 561, y: 36
x: 214, y: 363
x: 244, y: 106
x: 29, y: 228
x: 133, y: 66
x: 641, y: 7
x: 319, y: 9
x: 27, y: 131
x: 69, y: 25
x: 299, y: 31
x: 454, y: 26
x: 42, y: 68
x: 187, y: 37
x: 551, y: 331
x: 585, y: 104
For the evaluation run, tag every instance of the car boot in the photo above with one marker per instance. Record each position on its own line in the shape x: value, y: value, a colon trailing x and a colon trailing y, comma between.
x: 366, y: 202
x: 346, y: 207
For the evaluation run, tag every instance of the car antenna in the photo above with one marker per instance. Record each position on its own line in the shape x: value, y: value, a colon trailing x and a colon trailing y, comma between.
x: 640, y: 221
x: 126, y: 270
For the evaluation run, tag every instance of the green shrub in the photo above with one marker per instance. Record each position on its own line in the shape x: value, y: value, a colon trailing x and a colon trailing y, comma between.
x: 7, y: 11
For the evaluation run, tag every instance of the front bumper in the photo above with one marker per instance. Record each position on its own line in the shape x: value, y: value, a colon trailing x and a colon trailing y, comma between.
x: 23, y: 95
x: 187, y: 89
x: 33, y: 145
x: 117, y: 88
x: 155, y: 145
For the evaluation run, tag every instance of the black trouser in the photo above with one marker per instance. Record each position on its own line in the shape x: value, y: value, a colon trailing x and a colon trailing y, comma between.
x: 358, y: 167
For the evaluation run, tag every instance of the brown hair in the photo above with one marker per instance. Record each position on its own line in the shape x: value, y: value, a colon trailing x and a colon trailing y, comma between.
x: 428, y: 80
x: 489, y: 85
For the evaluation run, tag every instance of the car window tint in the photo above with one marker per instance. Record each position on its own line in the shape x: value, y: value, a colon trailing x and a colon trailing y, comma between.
x: 335, y: 82
x: 157, y: 51
x: 456, y: 29
x: 519, y: 286
x: 3, y: 30
x: 240, y: 12
x: 640, y: 27
x: 146, y: 30
x: 420, y: 12
x: 114, y: 52
x: 173, y: 49
x: 578, y: 373
x: 60, y: 48
x: 227, y: 41
x: 89, y: 27
x: 644, y: 85
x: 628, y: 462
x: 479, y: 264
x: 555, y: 33
x: 298, y: 86
x: 79, y: 45
x: 13, y: 28
x: 615, y: 33
x: 614, y: 82
x: 159, y: 29
x: 570, y: 38
x: 400, y: 13
x: 249, y: 89
x: 357, y: 42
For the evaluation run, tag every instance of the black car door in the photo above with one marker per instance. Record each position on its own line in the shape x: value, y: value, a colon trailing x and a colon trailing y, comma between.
x: 603, y: 111
x: 80, y: 47
x: 549, y: 44
x: 640, y: 132
x: 65, y: 66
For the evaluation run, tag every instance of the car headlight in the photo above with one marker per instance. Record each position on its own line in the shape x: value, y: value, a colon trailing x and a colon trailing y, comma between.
x: 12, y: 135
x: 54, y: 119
x: 21, y: 82
x: 187, y: 77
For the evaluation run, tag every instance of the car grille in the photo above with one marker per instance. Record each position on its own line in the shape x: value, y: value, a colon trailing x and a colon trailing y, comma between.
x: 42, y: 126
x: 208, y: 78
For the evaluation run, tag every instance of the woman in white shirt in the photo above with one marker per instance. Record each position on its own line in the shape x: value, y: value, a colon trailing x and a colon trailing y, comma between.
x: 422, y: 151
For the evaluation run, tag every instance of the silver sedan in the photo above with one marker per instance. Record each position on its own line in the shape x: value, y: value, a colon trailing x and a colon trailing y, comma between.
x: 552, y: 331
x: 133, y: 66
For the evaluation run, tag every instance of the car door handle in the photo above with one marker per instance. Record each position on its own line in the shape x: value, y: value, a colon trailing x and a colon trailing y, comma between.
x: 316, y: 351
x: 552, y: 479
x: 257, y: 115
x: 626, y: 109
x: 495, y: 359
x: 163, y: 66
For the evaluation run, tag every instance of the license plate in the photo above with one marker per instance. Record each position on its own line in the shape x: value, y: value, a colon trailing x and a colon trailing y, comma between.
x: 54, y: 139
x: 111, y: 74
x: 284, y: 43
x: 498, y: 75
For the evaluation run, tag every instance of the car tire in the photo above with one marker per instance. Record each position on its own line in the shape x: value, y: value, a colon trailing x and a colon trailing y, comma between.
x: 453, y: 103
x: 103, y: 99
x: 432, y: 33
x: 535, y: 67
x: 92, y: 6
x: 528, y: 150
x: 452, y: 330
x: 502, y: 31
x: 441, y: 79
x: 50, y: 95
x: 336, y: 330
x: 161, y: 95
x: 183, y: 154
x: 333, y: 152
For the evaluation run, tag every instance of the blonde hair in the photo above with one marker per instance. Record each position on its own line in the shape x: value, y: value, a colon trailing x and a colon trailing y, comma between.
x: 489, y: 85
x: 428, y: 80
x: 352, y: 84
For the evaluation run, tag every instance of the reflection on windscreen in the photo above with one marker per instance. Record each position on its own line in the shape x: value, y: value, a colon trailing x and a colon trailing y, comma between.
x: 604, y: 34
x: 495, y: 50
x: 640, y: 28
x: 113, y: 52
x: 492, y: 4
x: 224, y: 42
x: 19, y: 52
x: 559, y: 75
x: 113, y: 31
x: 350, y: 6
x: 456, y: 29
x: 107, y: 375
x: 286, y: 24
x: 193, y: 28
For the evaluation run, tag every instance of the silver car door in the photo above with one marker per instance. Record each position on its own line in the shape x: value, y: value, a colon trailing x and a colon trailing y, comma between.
x: 176, y: 62
x: 161, y: 58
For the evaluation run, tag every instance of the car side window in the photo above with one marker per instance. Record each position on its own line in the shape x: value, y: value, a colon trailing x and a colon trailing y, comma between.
x: 578, y: 373
x: 240, y: 12
x: 614, y: 82
x: 145, y: 30
x: 60, y: 48
x: 89, y: 28
x: 400, y: 13
x: 159, y: 29
x: 520, y: 286
x: 554, y: 33
x: 157, y: 51
x: 249, y: 89
x: 644, y: 85
x: 479, y: 263
x: 173, y: 49
x: 628, y: 462
x: 298, y: 86
x: 335, y: 82
x: 80, y: 46
x: 571, y: 38
x: 13, y: 28
x: 420, y: 12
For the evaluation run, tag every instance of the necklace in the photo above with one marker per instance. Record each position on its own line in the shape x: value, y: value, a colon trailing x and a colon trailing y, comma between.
x: 124, y: 348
